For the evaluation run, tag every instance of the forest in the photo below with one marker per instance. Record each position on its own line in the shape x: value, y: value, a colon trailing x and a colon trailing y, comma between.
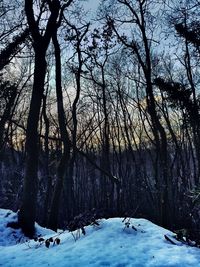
x: 100, y: 111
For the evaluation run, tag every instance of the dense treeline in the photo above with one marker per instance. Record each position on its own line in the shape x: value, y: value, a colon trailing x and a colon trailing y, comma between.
x: 100, y: 115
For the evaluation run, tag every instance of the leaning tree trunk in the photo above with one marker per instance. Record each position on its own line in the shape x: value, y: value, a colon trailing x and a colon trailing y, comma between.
x: 64, y: 162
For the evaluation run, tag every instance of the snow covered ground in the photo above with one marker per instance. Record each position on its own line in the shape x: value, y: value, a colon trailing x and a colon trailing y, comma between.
x: 109, y: 244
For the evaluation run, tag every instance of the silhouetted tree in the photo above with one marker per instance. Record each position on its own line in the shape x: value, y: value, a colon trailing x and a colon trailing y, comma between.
x: 27, y: 213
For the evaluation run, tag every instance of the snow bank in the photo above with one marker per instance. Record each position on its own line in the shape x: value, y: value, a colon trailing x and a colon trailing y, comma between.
x: 109, y: 244
x: 9, y: 236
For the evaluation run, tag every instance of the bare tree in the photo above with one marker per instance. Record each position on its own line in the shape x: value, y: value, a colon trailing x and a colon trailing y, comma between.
x: 27, y: 213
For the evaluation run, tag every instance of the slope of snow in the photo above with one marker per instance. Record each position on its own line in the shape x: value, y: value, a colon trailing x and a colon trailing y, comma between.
x: 8, y: 236
x: 109, y: 244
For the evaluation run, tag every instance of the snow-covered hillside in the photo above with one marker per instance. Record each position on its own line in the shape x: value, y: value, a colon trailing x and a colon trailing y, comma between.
x: 109, y: 244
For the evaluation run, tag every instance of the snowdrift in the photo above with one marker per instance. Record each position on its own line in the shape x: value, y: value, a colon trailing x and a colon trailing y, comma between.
x: 137, y: 242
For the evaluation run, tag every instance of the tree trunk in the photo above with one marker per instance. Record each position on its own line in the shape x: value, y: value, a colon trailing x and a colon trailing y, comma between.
x: 27, y: 213
x: 62, y: 168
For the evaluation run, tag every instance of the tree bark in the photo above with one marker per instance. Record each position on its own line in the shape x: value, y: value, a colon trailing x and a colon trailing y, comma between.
x: 64, y: 162
x: 27, y: 213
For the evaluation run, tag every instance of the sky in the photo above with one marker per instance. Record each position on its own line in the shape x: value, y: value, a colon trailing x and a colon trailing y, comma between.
x: 92, y: 5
